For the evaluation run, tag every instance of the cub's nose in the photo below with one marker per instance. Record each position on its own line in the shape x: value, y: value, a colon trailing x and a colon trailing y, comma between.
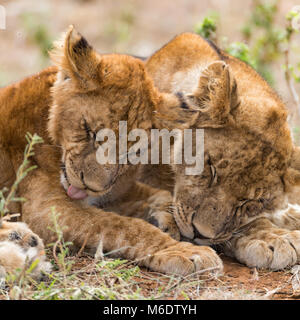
x: 203, y: 231
x: 33, y: 242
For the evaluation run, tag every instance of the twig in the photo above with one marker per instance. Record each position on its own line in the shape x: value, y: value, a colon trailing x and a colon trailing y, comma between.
x: 10, y: 216
x: 83, y: 245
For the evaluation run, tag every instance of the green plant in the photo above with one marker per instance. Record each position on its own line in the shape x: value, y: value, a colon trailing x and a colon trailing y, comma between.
x: 37, y: 32
x: 119, y: 29
x: 119, y: 268
x: 264, y: 36
x: 241, y: 51
x: 264, y: 43
x: 22, y: 172
x: 208, y: 27
x: 290, y: 72
x: 61, y: 246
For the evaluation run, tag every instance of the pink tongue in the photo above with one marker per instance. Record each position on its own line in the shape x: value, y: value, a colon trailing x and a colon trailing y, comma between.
x: 76, y: 193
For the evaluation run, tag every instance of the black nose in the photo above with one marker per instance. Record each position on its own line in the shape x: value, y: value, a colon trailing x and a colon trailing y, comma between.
x: 33, y: 242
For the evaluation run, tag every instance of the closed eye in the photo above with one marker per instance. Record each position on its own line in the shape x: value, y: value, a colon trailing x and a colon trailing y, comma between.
x: 89, y: 133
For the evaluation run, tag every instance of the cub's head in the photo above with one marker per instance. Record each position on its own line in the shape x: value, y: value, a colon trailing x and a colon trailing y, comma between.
x: 94, y: 92
x: 249, y: 160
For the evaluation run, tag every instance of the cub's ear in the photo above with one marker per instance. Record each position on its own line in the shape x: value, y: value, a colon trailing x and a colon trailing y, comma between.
x: 76, y: 59
x: 216, y: 96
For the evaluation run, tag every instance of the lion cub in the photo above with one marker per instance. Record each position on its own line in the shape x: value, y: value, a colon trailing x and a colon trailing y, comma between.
x: 19, y: 248
x: 240, y: 201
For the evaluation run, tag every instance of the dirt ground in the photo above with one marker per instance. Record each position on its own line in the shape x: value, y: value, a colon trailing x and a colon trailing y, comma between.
x: 240, y: 282
x: 277, y: 284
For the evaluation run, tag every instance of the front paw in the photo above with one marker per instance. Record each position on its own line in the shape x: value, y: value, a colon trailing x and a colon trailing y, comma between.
x: 270, y: 248
x: 165, y: 222
x: 184, y: 258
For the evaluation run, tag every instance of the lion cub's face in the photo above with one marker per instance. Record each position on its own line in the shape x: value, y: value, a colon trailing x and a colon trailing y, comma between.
x: 248, y: 153
x: 95, y: 92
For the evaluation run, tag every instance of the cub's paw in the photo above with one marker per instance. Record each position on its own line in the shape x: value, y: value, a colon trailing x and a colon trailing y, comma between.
x: 165, y: 222
x: 159, y: 216
x: 184, y: 258
x: 19, y: 248
x: 272, y: 248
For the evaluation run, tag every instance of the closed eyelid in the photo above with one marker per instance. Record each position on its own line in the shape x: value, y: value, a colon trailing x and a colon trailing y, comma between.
x: 91, y: 134
x: 86, y: 126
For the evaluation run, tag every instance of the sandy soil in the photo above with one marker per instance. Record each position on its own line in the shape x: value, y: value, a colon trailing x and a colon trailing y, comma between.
x: 276, y: 285
x: 238, y: 282
x: 243, y: 283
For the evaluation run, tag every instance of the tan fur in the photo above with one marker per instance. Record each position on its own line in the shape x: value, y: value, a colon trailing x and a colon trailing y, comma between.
x: 264, y: 245
x: 89, y: 92
x: 19, y: 248
x: 251, y: 165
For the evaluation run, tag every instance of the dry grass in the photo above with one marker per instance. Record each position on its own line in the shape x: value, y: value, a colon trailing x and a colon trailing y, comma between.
x: 115, y: 279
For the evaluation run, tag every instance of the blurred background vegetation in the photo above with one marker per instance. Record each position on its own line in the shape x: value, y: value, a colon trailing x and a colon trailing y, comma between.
x: 257, y: 31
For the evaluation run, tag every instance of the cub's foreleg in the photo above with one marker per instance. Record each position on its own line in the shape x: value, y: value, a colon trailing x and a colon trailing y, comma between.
x: 150, y: 204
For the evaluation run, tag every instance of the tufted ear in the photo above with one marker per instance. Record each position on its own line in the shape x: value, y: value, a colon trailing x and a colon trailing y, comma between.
x: 216, y: 96
x: 76, y: 59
